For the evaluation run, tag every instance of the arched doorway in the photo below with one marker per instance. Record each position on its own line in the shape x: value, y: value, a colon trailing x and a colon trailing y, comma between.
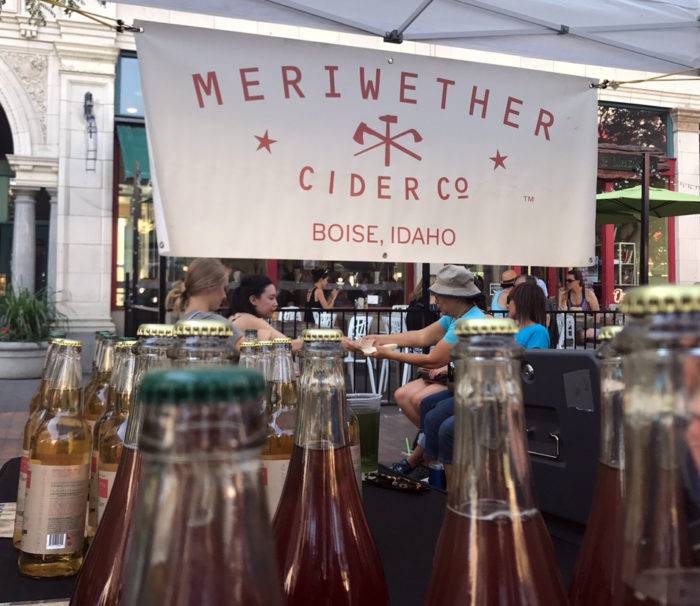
x: 6, y: 147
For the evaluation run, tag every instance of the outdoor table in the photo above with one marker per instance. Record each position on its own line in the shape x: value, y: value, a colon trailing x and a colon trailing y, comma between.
x: 405, y: 527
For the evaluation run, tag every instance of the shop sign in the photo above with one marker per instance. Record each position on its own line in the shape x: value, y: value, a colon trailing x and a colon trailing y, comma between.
x: 272, y: 148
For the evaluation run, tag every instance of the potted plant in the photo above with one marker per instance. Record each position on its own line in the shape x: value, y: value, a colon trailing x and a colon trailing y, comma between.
x: 26, y: 321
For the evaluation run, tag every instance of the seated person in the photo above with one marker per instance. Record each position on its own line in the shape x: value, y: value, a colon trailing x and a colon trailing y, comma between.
x: 526, y: 307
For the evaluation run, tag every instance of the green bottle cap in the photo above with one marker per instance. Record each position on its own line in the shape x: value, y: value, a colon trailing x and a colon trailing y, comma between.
x: 201, y: 385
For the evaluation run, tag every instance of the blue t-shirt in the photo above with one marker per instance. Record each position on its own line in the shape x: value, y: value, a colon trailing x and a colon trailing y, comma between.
x: 534, y: 336
x: 448, y: 323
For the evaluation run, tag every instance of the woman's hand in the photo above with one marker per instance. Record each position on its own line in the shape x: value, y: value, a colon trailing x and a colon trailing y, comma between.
x: 383, y: 353
x: 436, y: 372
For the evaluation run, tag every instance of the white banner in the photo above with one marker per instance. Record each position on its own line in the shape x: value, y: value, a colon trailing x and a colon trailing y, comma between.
x: 272, y: 148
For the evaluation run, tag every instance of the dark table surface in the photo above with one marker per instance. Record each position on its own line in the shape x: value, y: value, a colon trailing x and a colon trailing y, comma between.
x: 405, y: 528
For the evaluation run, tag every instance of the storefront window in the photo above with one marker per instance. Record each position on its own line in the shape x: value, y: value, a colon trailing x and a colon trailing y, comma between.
x: 129, y: 97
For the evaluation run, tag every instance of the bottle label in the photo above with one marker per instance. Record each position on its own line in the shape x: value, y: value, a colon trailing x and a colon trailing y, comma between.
x: 274, y: 472
x: 357, y: 464
x: 21, y: 488
x: 54, y: 514
x: 105, y: 483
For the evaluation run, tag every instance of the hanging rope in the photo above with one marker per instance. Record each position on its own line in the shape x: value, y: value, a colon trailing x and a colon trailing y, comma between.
x: 110, y: 22
x: 614, y: 84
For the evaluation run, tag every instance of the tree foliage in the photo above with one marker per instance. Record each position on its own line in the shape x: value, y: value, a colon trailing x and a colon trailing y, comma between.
x: 39, y: 10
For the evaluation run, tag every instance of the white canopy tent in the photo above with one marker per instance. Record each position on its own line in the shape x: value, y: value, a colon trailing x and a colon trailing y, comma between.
x: 648, y: 35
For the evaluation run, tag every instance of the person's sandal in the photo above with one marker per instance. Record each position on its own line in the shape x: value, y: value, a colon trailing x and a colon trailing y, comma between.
x: 403, y: 467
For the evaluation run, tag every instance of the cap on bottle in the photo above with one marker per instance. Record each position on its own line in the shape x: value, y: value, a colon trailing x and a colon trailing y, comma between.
x: 125, y: 344
x: 155, y: 330
x: 607, y: 333
x: 486, y: 326
x: 322, y: 334
x: 282, y: 341
x: 265, y: 343
x: 664, y: 299
x: 73, y: 343
x: 202, y: 328
x: 250, y: 344
x: 201, y: 385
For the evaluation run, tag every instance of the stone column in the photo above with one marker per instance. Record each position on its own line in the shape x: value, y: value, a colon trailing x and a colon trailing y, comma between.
x: 24, y: 239
x: 52, y: 266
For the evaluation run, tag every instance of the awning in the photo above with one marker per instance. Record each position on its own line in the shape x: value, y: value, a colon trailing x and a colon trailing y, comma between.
x: 632, y: 34
x: 133, y: 146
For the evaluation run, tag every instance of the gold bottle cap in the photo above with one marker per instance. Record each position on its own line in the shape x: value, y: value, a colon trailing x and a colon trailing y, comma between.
x: 202, y: 328
x: 265, y: 343
x: 607, y: 333
x: 664, y: 299
x: 250, y: 344
x: 125, y: 344
x: 282, y: 341
x: 72, y: 343
x: 322, y: 334
x: 56, y: 340
x: 155, y: 330
x: 486, y: 326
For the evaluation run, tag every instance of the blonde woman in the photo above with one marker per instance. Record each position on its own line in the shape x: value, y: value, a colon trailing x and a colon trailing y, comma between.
x: 201, y: 293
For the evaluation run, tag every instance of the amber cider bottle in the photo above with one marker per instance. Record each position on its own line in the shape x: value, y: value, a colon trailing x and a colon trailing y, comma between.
x: 200, y: 342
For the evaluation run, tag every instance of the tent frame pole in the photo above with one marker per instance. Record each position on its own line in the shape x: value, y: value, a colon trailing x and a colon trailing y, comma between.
x: 644, y: 235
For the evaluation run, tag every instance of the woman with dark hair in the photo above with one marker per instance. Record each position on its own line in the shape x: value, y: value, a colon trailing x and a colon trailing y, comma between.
x: 575, y: 296
x: 253, y: 303
x: 526, y: 307
x: 316, y: 297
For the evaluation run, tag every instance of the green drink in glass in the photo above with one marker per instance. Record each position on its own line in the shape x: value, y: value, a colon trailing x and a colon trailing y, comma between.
x: 367, y: 407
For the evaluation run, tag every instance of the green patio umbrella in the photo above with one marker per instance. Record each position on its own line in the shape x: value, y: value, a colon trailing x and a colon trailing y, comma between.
x: 626, y: 205
x: 662, y: 203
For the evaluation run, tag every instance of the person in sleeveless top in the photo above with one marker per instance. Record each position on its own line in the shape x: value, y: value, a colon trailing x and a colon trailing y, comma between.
x: 201, y: 293
x: 575, y: 296
x: 253, y: 304
x: 316, y: 297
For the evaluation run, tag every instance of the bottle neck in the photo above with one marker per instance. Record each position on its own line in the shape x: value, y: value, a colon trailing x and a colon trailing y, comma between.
x: 322, y: 415
x: 64, y: 395
x: 149, y: 357
x: 282, y: 370
x: 123, y: 382
x: 612, y: 388
x: 491, y: 464
x: 105, y: 361
x: 207, y: 350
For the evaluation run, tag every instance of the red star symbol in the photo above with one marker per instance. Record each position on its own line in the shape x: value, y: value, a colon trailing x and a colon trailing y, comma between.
x: 498, y: 160
x: 265, y: 142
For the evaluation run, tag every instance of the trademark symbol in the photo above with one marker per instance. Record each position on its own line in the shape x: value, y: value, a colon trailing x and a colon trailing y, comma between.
x: 529, y: 199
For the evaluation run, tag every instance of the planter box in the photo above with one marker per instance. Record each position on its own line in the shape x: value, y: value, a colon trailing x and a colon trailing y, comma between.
x: 22, y: 360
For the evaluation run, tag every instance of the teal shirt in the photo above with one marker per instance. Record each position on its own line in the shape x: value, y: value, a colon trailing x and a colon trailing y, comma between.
x: 535, y: 336
x: 448, y: 323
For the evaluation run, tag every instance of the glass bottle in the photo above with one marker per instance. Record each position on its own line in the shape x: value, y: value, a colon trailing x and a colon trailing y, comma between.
x: 101, y: 576
x: 36, y: 413
x: 200, y: 532
x: 95, y: 392
x: 203, y: 342
x: 598, y: 564
x: 113, y: 427
x: 249, y: 354
x: 324, y: 545
x: 57, y: 480
x: 250, y: 335
x: 120, y: 351
x: 281, y: 415
x: 493, y: 547
x: 661, y: 353
x: 265, y: 358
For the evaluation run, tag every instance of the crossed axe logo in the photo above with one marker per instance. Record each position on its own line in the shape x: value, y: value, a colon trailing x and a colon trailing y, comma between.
x: 386, y: 139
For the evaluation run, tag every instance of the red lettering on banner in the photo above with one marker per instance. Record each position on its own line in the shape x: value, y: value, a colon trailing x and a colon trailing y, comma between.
x: 411, y: 189
x: 405, y: 87
x: 319, y: 232
x: 451, y: 232
x: 442, y: 196
x: 545, y: 125
x: 383, y: 184
x: 206, y: 87
x: 244, y: 71
x: 370, y: 234
x: 432, y: 236
x: 370, y: 87
x: 331, y: 69
x: 418, y: 236
x: 461, y: 186
x: 510, y: 111
x: 291, y: 82
x: 302, y: 184
x: 357, y: 234
x: 445, y: 83
x: 484, y: 102
x: 331, y: 182
x: 354, y: 179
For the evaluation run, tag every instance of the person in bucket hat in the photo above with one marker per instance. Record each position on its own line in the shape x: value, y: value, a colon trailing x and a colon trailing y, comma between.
x: 456, y: 296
